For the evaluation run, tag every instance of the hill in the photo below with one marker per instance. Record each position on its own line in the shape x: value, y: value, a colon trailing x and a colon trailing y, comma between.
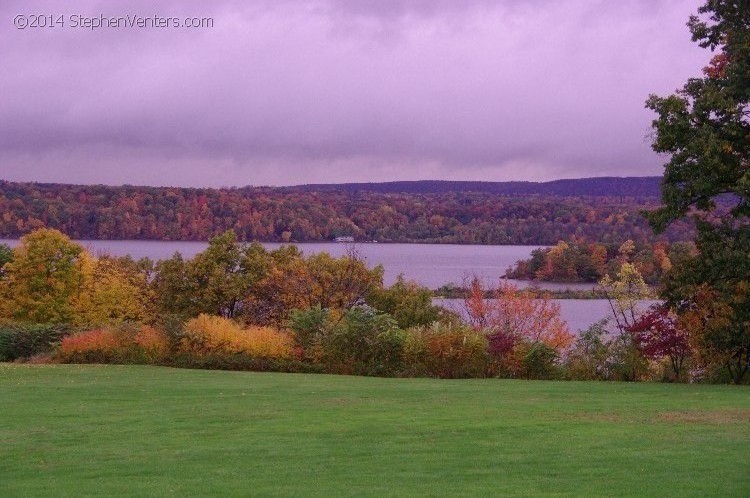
x: 607, y: 210
x: 643, y: 186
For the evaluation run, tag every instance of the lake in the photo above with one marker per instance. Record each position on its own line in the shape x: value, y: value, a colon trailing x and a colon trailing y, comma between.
x: 579, y: 314
x: 432, y: 265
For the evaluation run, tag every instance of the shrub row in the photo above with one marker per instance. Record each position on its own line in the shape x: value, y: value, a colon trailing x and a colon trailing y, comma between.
x: 358, y: 341
x: 21, y: 342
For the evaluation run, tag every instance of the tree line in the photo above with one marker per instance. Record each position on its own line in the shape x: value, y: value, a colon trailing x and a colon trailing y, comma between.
x: 301, y: 215
x: 579, y: 260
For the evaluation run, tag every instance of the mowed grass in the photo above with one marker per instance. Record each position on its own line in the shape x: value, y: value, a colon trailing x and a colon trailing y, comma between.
x: 130, y: 430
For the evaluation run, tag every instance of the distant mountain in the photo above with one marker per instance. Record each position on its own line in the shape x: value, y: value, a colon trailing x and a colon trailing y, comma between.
x: 636, y: 186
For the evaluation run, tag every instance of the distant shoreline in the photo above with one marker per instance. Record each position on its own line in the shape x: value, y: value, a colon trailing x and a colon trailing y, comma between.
x: 425, y: 212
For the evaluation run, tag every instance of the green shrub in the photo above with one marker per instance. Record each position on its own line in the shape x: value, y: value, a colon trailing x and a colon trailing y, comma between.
x: 309, y: 326
x: 625, y: 362
x: 538, y: 361
x: 407, y: 302
x: 446, y: 351
x: 362, y: 341
x: 173, y: 326
x: 588, y: 357
x: 24, y: 341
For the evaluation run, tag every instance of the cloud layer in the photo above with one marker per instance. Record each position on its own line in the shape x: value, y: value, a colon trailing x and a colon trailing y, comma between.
x: 287, y: 92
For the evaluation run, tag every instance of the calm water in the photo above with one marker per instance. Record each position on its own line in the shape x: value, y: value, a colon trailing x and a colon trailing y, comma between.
x: 580, y: 314
x: 432, y: 265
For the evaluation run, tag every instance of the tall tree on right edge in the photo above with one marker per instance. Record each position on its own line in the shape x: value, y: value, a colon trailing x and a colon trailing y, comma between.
x: 705, y: 129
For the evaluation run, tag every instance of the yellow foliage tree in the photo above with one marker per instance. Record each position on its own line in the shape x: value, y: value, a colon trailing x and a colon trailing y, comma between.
x: 623, y: 294
x: 113, y: 292
x: 43, y: 279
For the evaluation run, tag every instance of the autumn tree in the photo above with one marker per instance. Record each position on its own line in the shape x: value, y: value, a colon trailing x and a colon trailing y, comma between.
x: 579, y: 260
x: 512, y: 316
x: 223, y: 274
x: 559, y: 265
x: 296, y: 282
x: 114, y: 291
x: 282, y: 289
x: 341, y: 282
x: 658, y: 335
x: 407, y: 302
x: 625, y: 251
x: 6, y: 256
x: 43, y: 279
x: 624, y: 292
x: 705, y: 130
x: 215, y: 281
x: 711, y: 293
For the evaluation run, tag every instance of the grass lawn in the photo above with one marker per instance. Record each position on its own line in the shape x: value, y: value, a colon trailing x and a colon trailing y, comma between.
x: 130, y: 430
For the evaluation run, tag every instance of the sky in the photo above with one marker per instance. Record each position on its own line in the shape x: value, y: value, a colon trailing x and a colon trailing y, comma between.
x: 284, y: 92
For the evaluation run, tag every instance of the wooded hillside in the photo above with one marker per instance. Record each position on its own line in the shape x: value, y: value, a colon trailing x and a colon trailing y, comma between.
x: 444, y: 212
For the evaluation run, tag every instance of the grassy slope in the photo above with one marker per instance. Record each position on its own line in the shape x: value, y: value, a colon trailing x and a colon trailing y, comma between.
x: 142, y: 430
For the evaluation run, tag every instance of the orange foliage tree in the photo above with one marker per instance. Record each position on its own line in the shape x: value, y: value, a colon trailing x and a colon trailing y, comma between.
x: 512, y: 315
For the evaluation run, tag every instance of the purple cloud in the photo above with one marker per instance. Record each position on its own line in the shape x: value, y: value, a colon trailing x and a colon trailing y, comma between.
x: 285, y: 92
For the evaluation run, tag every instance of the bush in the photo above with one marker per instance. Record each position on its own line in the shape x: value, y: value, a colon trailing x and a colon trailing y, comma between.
x: 153, y: 343
x: 363, y: 341
x: 500, y: 348
x: 589, y: 356
x: 94, y: 346
x: 214, y: 335
x: 446, y: 351
x: 407, y: 302
x: 127, y: 344
x: 537, y: 360
x: 173, y: 326
x: 25, y: 341
x: 626, y: 363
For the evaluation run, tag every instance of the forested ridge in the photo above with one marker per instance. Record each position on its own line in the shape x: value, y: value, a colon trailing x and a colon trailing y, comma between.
x: 433, y: 212
x: 642, y: 186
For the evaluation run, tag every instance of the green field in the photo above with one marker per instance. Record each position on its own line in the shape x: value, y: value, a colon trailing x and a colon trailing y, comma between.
x: 129, y: 430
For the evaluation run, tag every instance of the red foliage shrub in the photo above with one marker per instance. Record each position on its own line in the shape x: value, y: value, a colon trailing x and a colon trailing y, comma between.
x: 657, y: 335
x: 144, y: 345
x: 154, y: 343
x: 93, y: 346
x: 514, y: 315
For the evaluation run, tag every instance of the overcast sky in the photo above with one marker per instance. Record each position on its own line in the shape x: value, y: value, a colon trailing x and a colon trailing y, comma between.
x: 284, y: 92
